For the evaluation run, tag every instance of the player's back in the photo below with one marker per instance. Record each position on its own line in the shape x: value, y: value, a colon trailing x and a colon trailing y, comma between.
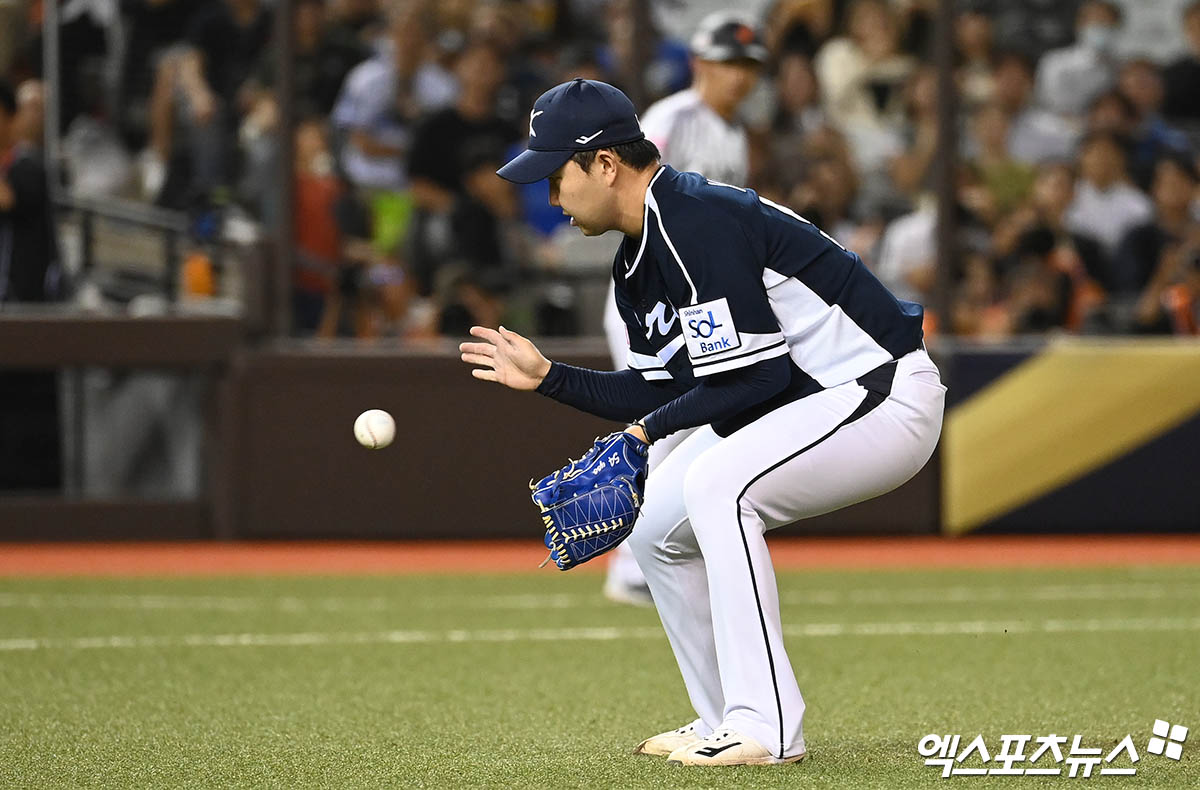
x: 839, y: 321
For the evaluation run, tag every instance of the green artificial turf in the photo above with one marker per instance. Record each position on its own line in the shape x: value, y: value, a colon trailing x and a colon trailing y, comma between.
x: 459, y: 682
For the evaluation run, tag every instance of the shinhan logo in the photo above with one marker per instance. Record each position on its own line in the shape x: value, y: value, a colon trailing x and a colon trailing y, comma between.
x: 585, y: 140
x: 705, y: 326
x: 657, y: 319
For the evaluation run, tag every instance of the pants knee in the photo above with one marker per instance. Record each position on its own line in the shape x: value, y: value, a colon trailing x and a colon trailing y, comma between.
x: 661, y: 537
x: 641, y: 542
x: 706, y: 487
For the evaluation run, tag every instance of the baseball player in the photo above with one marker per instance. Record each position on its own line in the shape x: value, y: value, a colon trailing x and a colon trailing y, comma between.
x: 696, y: 129
x: 807, y: 380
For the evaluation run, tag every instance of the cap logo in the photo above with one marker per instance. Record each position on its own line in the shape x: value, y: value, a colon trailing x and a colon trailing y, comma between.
x: 533, y: 114
x: 585, y: 140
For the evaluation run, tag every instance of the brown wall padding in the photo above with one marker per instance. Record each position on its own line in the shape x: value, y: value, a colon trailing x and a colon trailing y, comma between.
x: 463, y: 454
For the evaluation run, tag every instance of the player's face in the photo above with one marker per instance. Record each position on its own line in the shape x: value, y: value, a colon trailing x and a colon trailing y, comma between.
x: 734, y: 79
x: 582, y: 196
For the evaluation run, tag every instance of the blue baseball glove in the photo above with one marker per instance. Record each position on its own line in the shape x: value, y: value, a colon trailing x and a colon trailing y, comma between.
x: 589, y: 506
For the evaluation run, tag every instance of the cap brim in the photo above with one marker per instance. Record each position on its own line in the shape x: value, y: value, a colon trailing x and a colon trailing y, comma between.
x: 724, y: 53
x: 530, y: 166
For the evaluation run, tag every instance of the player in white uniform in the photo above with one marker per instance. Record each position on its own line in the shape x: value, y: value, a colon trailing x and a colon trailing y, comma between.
x: 807, y: 381
x: 696, y: 129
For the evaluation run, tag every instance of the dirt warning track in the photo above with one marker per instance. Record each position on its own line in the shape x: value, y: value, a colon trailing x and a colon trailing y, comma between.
x: 311, y: 557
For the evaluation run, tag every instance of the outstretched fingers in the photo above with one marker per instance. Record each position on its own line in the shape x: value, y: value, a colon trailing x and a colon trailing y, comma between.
x: 487, y: 374
x: 480, y: 349
x: 479, y: 359
x: 481, y: 353
x: 488, y: 334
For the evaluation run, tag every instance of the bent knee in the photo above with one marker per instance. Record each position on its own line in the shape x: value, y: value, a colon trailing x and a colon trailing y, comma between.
x: 642, y: 541
x: 661, y: 538
x: 709, y: 485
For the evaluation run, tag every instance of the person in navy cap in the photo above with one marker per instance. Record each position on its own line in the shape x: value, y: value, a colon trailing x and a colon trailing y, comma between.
x: 575, y: 117
x: 696, y: 129
x: 807, y: 381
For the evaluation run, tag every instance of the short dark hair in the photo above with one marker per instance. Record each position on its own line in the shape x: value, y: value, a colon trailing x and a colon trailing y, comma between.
x: 1181, y: 162
x: 1128, y: 108
x: 1113, y: 138
x: 1114, y: 10
x: 639, y: 155
x: 8, y: 99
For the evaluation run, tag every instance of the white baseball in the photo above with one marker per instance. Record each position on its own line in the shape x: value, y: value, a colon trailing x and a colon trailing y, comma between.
x: 375, y: 429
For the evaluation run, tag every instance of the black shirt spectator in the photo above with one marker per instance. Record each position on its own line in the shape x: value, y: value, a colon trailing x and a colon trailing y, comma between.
x: 1142, y: 249
x: 325, y: 54
x: 29, y: 439
x: 1181, y: 79
x: 442, y: 140
x: 232, y: 36
x: 152, y: 26
x: 28, y: 251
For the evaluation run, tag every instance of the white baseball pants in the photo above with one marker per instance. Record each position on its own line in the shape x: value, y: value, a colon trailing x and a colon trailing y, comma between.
x: 700, y: 536
x: 622, y: 565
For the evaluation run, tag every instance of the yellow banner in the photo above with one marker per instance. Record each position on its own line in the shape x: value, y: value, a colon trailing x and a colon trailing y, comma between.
x: 1073, y: 408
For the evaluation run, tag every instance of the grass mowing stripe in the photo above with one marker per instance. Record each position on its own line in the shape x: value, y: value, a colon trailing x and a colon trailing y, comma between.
x: 559, y: 714
x: 915, y: 596
x: 597, y: 634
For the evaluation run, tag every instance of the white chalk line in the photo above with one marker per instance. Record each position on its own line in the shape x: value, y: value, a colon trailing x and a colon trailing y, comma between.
x: 1136, y: 591
x: 595, y: 634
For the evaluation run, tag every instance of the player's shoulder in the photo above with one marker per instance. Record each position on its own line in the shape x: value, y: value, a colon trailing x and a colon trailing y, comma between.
x: 370, y: 74
x: 693, y: 209
x: 692, y: 196
x: 679, y: 101
x: 667, y: 112
x: 362, y: 97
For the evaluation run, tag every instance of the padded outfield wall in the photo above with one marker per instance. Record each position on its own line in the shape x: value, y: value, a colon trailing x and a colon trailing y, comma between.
x: 1060, y: 436
x: 1069, y: 435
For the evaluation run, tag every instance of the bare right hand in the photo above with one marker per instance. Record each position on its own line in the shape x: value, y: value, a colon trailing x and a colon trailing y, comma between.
x: 507, y: 358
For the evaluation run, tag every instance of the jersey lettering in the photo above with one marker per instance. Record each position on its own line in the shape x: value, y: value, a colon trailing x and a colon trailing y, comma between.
x: 657, y: 319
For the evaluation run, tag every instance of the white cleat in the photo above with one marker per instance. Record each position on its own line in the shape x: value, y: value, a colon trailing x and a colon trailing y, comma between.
x: 667, y: 742
x: 729, y: 747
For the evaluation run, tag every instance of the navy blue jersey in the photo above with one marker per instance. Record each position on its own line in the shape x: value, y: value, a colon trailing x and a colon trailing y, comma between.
x: 722, y: 278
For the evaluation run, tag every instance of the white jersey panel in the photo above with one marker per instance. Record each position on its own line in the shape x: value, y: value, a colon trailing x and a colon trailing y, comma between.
x: 691, y: 136
x: 822, y: 340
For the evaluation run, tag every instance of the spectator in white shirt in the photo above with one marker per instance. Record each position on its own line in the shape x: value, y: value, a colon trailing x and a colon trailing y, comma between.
x: 381, y: 99
x: 862, y: 77
x: 1068, y: 79
x: 1106, y: 204
x: 1035, y: 136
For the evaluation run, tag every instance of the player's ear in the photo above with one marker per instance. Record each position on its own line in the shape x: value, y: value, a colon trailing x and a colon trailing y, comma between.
x: 607, y: 162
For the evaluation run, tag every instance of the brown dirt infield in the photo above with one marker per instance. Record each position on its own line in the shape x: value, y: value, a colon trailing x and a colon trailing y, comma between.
x: 308, y: 557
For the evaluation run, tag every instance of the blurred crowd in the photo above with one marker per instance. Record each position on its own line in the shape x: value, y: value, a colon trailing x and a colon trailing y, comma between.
x: 1076, y: 176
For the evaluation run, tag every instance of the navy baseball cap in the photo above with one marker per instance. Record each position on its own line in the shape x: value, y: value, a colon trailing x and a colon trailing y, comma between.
x: 580, y: 115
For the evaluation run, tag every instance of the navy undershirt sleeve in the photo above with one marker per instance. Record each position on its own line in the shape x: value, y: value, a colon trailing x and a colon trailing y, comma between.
x: 669, y: 406
x: 720, y: 396
x: 613, y: 395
